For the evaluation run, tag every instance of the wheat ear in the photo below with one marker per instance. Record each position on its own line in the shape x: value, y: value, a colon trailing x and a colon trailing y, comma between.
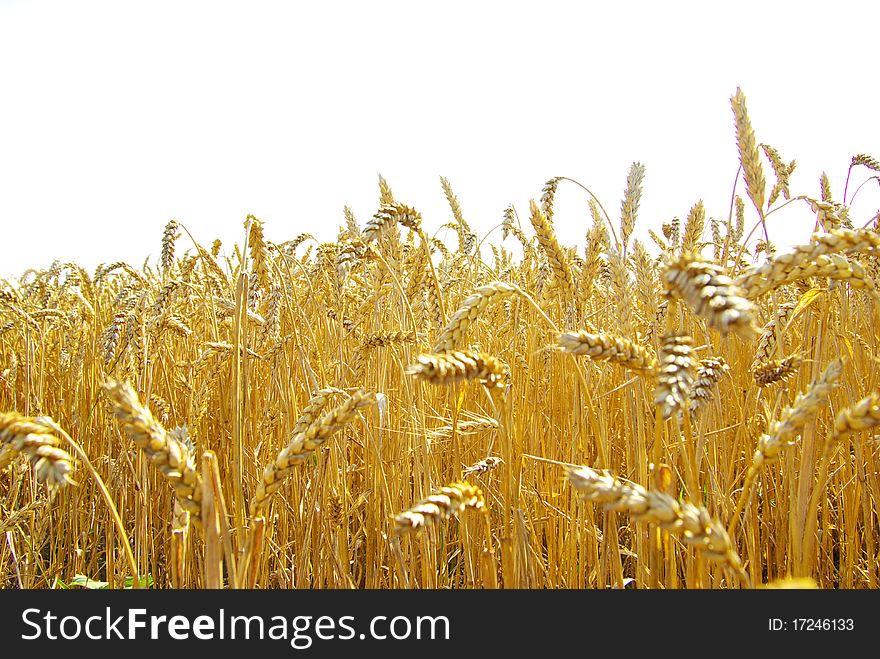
x: 170, y: 456
x: 694, y: 523
x: 451, y: 500
x: 711, y: 294
x: 304, y: 444
x: 449, y: 367
x: 37, y: 442
x: 607, y: 347
x: 474, y: 305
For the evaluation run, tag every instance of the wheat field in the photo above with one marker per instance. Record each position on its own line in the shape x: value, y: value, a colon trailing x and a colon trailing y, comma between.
x: 390, y: 410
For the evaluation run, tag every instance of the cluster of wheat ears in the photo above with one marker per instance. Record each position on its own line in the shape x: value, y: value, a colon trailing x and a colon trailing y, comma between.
x: 390, y: 411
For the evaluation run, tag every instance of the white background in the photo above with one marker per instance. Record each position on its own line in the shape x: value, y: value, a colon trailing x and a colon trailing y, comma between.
x: 118, y: 116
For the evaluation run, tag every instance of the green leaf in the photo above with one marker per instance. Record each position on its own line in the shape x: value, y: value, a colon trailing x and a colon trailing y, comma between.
x: 86, y: 582
x: 145, y: 581
x: 83, y: 581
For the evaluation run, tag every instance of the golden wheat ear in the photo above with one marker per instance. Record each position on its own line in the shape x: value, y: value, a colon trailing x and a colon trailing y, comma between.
x: 458, y: 366
x: 308, y: 436
x: 711, y: 294
x: 169, y: 455
x: 451, y: 500
x: 38, y: 443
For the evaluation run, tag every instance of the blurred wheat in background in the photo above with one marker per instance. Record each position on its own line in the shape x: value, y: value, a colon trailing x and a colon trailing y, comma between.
x: 392, y: 411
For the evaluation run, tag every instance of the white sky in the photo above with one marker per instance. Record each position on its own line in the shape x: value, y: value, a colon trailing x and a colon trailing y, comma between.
x: 118, y: 116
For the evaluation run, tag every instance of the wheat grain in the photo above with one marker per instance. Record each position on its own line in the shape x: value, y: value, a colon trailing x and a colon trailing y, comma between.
x: 484, y: 465
x: 560, y: 264
x: 749, y: 156
x: 629, y: 207
x: 474, y: 305
x: 693, y: 523
x: 164, y: 451
x: 777, y: 371
x: 709, y: 373
x: 782, y: 433
x: 771, y: 333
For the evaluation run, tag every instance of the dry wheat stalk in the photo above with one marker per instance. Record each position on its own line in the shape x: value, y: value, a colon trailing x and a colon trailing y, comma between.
x: 451, y: 500
x: 607, y: 347
x: 169, y: 455
x: 36, y: 440
x: 711, y: 294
